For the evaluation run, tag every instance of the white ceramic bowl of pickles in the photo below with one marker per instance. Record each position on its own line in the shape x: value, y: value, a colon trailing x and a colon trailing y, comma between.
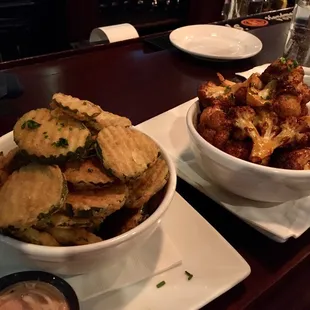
x: 80, y: 187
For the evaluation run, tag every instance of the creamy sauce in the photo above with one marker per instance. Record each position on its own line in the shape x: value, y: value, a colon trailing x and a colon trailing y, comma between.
x: 32, y: 295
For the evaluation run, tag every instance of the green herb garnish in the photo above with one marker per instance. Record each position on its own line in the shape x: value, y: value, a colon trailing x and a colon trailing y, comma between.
x: 189, y: 275
x: 160, y: 284
x: 227, y: 89
x: 30, y: 124
x: 283, y: 60
x: 295, y: 63
x: 62, y: 142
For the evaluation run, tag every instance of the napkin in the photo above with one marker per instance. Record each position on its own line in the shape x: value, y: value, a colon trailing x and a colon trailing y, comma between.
x: 279, y: 221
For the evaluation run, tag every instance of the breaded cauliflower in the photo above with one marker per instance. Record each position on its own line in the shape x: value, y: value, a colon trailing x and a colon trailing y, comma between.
x: 293, y: 159
x: 266, y: 132
x: 285, y: 71
x: 210, y: 94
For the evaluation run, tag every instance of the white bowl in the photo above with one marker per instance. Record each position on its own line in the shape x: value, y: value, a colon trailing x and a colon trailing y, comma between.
x: 244, y: 178
x: 81, y: 259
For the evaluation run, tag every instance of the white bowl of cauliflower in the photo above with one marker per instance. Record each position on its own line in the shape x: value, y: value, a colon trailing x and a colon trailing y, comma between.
x: 253, y: 138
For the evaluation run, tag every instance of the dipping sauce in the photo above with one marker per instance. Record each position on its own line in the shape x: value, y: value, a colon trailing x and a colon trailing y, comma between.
x: 32, y: 295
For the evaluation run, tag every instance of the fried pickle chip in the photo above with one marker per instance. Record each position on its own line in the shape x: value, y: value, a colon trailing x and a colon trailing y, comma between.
x: 40, y: 134
x: 146, y: 186
x: 82, y: 110
x: 73, y: 236
x: 87, y: 174
x: 34, y: 236
x: 5, y: 161
x: 98, y: 203
x: 30, y: 194
x: 62, y: 220
x: 133, y: 221
x: 106, y: 119
x: 126, y: 152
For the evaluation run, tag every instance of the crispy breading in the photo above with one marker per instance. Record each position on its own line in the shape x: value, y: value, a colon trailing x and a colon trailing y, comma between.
x: 40, y: 134
x: 133, y: 221
x: 31, y: 193
x: 82, y: 110
x: 106, y: 119
x: 151, y: 182
x: 126, y: 152
x: 34, y: 236
x: 73, y: 236
x: 87, y: 174
x: 99, y: 203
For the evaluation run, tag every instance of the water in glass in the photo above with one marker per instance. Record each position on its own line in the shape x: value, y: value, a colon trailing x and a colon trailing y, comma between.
x: 297, y: 45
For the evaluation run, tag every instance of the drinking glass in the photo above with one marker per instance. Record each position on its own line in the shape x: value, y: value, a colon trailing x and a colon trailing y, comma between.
x: 297, y: 45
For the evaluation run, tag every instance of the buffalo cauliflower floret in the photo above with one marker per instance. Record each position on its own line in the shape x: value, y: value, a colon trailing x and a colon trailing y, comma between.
x: 265, y: 131
x: 214, y: 117
x: 305, y: 92
x: 261, y: 97
x: 292, y: 159
x: 216, y: 138
x: 214, y: 126
x: 210, y: 94
x: 239, y: 149
x: 288, y: 103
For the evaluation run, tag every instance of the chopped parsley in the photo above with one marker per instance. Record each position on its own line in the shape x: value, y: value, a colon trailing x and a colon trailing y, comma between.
x: 31, y: 124
x: 160, y: 284
x: 62, y: 142
x: 227, y: 89
x: 189, y: 275
x: 295, y: 63
x: 283, y: 60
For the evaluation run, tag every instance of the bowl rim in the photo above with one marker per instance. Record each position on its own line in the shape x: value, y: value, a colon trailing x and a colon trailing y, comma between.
x: 234, y: 160
x: 45, y: 277
x: 55, y: 252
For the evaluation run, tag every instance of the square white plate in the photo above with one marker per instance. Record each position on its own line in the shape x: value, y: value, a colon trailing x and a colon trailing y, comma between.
x: 216, y: 267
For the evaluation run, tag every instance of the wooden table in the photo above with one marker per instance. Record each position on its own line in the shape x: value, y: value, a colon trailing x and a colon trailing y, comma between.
x: 132, y: 80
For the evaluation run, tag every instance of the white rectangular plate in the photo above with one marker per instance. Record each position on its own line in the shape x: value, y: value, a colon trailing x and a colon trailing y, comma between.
x: 216, y: 267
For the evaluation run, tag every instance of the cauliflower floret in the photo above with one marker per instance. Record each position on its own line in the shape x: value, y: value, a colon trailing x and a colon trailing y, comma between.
x: 214, y: 126
x: 239, y: 149
x: 216, y: 138
x: 265, y: 132
x: 285, y: 71
x: 293, y: 159
x: 261, y: 97
x: 288, y: 104
x: 305, y: 92
x: 210, y: 94
x: 214, y: 117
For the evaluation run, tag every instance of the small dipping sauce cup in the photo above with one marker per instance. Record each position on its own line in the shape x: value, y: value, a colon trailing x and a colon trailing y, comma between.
x: 36, y: 290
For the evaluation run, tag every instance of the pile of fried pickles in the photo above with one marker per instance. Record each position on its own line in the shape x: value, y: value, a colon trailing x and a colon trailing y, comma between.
x: 263, y: 120
x: 76, y: 165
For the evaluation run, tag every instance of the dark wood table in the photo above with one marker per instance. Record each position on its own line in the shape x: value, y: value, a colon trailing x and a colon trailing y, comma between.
x: 133, y: 80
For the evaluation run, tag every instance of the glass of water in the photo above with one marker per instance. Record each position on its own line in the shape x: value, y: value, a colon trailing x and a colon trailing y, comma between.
x: 297, y: 44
